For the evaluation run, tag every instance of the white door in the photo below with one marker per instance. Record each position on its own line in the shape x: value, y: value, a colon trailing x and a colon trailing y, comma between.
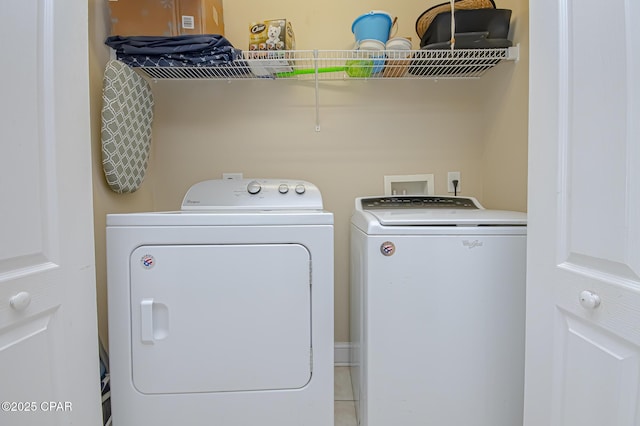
x: 49, y: 372
x: 583, y: 298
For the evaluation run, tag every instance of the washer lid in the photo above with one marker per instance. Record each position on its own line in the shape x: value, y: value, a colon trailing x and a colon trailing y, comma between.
x: 436, y: 211
x: 252, y: 194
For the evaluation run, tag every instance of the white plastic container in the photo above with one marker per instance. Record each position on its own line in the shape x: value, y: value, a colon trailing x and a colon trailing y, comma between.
x: 370, y: 44
x: 398, y: 43
x: 397, y: 51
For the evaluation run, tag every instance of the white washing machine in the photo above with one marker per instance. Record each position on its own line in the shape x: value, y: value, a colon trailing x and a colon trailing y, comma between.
x: 222, y: 313
x: 437, y: 312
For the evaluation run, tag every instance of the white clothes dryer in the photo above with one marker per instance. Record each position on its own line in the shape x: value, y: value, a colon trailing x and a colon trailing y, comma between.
x: 437, y: 312
x: 222, y: 313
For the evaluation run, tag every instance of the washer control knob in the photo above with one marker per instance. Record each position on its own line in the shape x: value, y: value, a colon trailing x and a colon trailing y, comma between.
x: 589, y: 300
x: 300, y: 189
x: 283, y: 188
x: 254, y: 187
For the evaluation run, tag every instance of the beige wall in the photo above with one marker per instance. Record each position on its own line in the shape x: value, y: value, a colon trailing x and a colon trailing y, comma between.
x: 507, y: 111
x: 368, y: 128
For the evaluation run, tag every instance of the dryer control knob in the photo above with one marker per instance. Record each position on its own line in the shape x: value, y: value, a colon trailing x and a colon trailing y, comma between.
x: 254, y: 187
x: 283, y: 188
x: 300, y: 189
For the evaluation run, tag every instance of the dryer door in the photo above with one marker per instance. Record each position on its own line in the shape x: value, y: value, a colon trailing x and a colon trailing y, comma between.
x: 213, y: 318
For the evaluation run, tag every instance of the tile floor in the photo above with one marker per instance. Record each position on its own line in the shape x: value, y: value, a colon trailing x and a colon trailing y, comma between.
x: 345, y: 411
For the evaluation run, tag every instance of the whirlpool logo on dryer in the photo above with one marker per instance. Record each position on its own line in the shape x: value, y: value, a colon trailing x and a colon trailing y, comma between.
x: 148, y: 261
x: 472, y: 244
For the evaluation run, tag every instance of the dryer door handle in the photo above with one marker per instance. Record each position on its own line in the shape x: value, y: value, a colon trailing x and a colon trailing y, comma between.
x: 146, y: 320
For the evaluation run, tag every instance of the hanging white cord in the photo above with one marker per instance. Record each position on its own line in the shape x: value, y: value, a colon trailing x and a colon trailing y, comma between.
x: 453, y: 24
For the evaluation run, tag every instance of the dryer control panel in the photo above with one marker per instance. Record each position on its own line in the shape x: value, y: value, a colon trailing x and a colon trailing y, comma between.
x: 253, y: 194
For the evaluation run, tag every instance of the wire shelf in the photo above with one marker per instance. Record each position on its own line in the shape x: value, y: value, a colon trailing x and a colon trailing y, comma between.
x: 346, y: 64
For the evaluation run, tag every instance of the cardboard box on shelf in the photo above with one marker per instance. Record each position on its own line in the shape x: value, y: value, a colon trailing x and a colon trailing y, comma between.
x: 267, y: 42
x: 276, y: 34
x: 166, y: 17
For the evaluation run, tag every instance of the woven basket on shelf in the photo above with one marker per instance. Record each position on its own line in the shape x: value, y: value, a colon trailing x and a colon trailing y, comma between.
x: 423, y: 22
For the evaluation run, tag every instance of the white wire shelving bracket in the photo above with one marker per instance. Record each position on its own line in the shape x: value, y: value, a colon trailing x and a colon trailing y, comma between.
x: 328, y: 65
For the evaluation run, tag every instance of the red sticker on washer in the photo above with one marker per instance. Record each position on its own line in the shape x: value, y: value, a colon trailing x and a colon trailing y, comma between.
x: 387, y: 248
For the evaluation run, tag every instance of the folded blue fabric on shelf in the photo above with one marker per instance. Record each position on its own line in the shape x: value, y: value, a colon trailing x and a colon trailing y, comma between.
x: 206, y: 50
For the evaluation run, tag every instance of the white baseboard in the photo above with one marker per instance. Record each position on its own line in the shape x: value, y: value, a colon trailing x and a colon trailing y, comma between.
x: 341, y: 354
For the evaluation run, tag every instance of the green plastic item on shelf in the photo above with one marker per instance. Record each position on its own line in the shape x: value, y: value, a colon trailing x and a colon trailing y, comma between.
x: 353, y: 68
x: 309, y: 71
x: 359, y: 67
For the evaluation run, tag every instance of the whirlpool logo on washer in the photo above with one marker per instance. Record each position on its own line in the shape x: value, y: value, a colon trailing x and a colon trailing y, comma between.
x: 147, y: 261
x: 472, y: 244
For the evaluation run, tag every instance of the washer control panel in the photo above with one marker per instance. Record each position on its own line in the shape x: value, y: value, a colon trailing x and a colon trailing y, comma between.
x: 419, y: 202
x: 253, y: 194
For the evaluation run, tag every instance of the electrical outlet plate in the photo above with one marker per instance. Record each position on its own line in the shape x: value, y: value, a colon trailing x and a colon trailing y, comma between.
x: 409, y: 185
x: 451, y: 176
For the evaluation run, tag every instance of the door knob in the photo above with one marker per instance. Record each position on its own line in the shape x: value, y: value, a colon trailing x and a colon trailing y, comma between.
x: 20, y: 301
x: 589, y: 300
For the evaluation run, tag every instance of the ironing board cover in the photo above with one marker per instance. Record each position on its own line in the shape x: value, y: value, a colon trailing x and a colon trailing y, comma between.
x: 127, y: 114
